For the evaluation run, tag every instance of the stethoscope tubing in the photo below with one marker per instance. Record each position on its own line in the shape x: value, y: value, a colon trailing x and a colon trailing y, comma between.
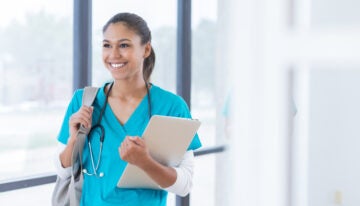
x: 102, y: 134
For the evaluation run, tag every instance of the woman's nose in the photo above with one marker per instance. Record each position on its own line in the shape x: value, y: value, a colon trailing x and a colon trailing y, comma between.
x: 115, y: 53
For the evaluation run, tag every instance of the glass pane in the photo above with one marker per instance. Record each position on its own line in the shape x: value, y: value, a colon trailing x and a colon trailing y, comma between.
x: 35, y: 83
x: 163, y: 32
x: 206, y: 99
x: 203, y: 103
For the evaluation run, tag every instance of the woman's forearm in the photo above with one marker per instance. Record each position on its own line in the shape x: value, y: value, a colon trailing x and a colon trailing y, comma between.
x: 65, y: 155
x: 164, y: 176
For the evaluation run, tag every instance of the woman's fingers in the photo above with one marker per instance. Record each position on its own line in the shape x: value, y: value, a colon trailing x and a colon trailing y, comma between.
x: 83, y: 116
x: 85, y: 112
x: 133, y: 150
x: 136, y: 140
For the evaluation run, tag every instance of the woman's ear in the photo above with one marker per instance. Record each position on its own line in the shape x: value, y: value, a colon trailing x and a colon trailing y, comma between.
x: 147, y: 50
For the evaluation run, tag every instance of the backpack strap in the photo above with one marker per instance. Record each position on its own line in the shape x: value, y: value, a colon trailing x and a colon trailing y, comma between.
x: 88, y: 98
x: 89, y: 95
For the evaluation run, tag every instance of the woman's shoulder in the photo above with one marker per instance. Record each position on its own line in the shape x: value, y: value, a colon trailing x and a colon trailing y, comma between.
x: 77, y: 96
x: 160, y: 93
x: 168, y: 102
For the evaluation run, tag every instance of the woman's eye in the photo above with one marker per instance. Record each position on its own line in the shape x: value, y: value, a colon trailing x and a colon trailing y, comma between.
x: 106, y: 45
x: 123, y: 45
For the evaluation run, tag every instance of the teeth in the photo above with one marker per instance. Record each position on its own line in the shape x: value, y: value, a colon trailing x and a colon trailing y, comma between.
x: 117, y: 65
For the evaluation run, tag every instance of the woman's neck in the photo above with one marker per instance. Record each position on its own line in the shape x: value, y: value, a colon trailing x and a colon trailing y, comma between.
x: 127, y: 89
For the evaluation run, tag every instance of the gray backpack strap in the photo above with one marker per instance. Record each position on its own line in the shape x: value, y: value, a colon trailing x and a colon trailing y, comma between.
x: 68, y: 191
x: 89, y: 95
x: 88, y: 98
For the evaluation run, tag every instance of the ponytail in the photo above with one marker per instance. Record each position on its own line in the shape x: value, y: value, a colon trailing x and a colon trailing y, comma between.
x: 149, y: 64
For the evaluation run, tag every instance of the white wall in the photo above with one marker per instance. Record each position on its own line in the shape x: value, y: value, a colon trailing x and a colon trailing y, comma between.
x: 334, y: 116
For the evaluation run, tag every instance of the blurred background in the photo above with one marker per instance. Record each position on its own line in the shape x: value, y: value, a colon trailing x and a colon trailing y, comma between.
x: 274, y: 82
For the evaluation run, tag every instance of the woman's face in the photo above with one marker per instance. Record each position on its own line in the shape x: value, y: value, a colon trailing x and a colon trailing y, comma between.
x: 123, y: 55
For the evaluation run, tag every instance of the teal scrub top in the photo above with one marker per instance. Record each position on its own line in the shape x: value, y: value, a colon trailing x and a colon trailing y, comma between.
x: 103, y: 191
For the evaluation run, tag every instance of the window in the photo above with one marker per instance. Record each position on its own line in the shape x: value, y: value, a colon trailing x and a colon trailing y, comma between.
x: 207, y: 100
x: 35, y: 85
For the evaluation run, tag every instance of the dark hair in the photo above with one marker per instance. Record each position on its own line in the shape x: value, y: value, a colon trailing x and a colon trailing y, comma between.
x: 139, y: 26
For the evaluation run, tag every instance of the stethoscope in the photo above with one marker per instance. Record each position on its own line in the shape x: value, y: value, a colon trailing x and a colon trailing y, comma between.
x: 99, y: 127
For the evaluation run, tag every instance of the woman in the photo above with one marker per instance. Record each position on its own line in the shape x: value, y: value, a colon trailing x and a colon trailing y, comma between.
x: 127, y: 103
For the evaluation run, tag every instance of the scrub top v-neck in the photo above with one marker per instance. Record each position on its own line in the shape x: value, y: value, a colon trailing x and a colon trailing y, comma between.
x: 134, y: 119
x: 103, y: 191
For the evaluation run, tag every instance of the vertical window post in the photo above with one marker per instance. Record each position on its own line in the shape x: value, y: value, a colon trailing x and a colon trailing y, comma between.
x: 82, y: 43
x: 183, y: 65
x: 183, y: 55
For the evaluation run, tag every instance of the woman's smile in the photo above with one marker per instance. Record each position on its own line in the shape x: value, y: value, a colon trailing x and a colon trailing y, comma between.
x: 116, y: 66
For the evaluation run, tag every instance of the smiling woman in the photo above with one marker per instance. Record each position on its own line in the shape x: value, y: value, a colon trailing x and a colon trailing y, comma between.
x: 122, y: 49
x: 56, y: 75
x: 163, y: 37
x: 124, y: 107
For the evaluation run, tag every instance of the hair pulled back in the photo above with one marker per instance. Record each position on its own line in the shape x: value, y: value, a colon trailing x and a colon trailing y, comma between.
x: 139, y: 26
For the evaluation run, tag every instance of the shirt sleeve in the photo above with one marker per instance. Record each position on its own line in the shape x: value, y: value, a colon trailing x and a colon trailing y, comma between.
x: 62, y: 172
x: 184, y: 171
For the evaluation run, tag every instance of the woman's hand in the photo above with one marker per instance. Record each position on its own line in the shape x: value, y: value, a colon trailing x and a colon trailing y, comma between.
x: 82, y: 116
x: 133, y: 150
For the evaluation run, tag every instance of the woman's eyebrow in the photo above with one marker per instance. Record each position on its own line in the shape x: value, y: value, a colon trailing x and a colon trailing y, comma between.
x: 120, y: 40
